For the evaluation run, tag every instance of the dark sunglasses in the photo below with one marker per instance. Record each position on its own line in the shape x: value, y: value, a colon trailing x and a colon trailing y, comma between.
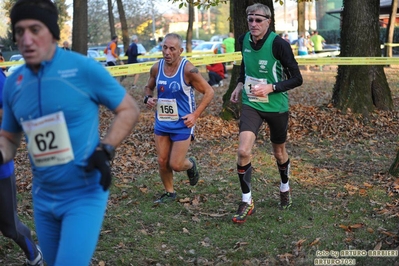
x: 257, y: 20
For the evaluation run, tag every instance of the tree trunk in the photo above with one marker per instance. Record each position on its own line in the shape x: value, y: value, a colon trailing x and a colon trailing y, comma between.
x: 301, y: 18
x: 361, y: 89
x: 111, y: 19
x: 79, y: 33
x: 189, y: 36
x: 231, y: 20
x: 394, y: 169
x: 122, y: 18
x: 230, y: 110
x: 391, y: 28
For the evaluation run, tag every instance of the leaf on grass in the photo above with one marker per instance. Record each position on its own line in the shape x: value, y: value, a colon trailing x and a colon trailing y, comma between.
x: 196, y: 201
x: 185, y: 230
x: 306, y: 226
x: 101, y: 263
x: 367, y: 185
x: 349, y: 228
x: 362, y: 192
x: 195, y: 219
x: 315, y: 242
x: 185, y: 200
x: 356, y: 226
x: 346, y: 228
x: 378, y: 246
x: 285, y: 256
x: 370, y: 230
x: 240, y: 244
x: 144, y: 190
x: 383, y: 211
x: 351, y: 189
x: 300, y: 242
x: 388, y: 233
x: 205, y: 244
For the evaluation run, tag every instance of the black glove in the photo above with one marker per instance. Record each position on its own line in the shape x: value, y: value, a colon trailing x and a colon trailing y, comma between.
x: 99, y: 160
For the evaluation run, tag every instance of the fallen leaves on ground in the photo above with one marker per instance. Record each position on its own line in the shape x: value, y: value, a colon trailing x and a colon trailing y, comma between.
x: 309, y: 127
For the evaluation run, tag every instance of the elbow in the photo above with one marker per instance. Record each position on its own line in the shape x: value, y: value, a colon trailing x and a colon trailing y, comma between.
x: 300, y: 81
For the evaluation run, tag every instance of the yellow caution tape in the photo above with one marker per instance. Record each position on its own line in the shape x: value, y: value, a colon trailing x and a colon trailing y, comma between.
x: 392, y: 44
x: 195, y: 59
x: 200, y: 59
x: 349, y: 61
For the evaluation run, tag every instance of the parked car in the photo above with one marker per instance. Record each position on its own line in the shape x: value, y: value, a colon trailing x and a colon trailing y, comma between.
x: 155, y: 49
x: 99, y: 49
x: 90, y: 53
x: 93, y: 53
x: 194, y: 43
x: 15, y: 67
x: 14, y: 57
x: 207, y: 47
x: 218, y: 38
x: 96, y: 55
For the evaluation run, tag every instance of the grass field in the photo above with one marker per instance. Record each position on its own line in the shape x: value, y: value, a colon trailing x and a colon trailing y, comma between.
x: 343, y: 197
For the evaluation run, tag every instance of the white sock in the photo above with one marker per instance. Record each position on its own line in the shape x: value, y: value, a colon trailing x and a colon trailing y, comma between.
x: 247, y: 197
x: 285, y: 187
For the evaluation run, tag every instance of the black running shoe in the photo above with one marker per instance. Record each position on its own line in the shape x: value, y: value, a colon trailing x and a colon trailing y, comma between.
x: 192, y: 173
x: 166, y: 198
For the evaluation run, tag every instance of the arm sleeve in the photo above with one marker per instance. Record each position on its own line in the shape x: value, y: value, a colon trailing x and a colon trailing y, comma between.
x: 241, y: 77
x: 282, y: 51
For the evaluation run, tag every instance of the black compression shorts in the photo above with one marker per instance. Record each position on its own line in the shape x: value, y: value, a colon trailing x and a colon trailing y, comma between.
x: 251, y: 120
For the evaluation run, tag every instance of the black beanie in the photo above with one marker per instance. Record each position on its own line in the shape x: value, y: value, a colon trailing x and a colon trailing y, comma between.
x: 43, y: 10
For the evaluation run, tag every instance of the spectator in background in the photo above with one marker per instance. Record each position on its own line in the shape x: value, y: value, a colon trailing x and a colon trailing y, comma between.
x: 303, y: 44
x: 216, y: 74
x: 2, y: 60
x: 318, y: 42
x: 160, y: 40
x: 132, y: 53
x: 229, y: 47
x: 286, y: 38
x: 228, y: 43
x: 65, y: 45
x: 111, y: 51
x: 310, y: 44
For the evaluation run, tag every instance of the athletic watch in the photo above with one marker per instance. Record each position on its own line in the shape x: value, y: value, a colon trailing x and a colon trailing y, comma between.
x: 146, y: 98
x: 109, y: 150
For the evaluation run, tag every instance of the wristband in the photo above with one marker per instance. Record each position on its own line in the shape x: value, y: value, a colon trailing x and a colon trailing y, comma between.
x: 1, y: 158
x: 146, y: 98
x: 274, y: 88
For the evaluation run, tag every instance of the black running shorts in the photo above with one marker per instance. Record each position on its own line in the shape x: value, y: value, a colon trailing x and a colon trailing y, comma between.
x: 251, y: 120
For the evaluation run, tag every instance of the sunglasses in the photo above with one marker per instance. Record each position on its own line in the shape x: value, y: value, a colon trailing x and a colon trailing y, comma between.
x: 257, y: 20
